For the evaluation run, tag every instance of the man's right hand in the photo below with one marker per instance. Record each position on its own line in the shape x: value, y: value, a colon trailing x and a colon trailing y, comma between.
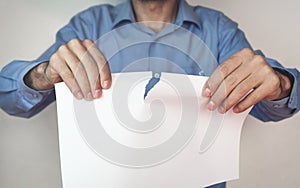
x: 79, y: 64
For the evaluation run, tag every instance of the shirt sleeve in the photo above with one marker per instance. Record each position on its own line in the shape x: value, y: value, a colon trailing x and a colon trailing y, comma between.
x: 16, y: 98
x: 232, y: 40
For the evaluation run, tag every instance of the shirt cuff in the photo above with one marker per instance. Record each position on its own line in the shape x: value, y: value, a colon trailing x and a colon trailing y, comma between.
x: 291, y: 101
x: 282, y: 103
x: 30, y: 97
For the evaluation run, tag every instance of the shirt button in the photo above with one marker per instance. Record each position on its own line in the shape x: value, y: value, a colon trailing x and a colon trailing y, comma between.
x: 156, y: 75
x: 276, y: 106
x: 201, y: 73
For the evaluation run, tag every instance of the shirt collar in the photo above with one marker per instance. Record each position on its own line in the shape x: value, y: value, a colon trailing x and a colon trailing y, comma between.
x: 124, y: 13
x: 186, y: 14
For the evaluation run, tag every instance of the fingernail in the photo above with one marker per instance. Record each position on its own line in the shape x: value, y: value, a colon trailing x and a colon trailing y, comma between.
x: 236, y: 110
x: 106, y: 84
x: 89, y: 96
x: 79, y: 95
x: 207, y: 92
x: 97, y: 94
x: 211, y: 105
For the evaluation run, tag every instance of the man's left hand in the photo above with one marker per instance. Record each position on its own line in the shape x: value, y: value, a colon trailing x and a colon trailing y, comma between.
x: 242, y: 81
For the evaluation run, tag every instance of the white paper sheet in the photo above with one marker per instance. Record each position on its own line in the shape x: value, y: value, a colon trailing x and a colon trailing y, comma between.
x: 167, y: 140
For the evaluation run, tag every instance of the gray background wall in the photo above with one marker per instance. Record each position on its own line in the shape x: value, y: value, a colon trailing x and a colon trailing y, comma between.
x: 29, y: 148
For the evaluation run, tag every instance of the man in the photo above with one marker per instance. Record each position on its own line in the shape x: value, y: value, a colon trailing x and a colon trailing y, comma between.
x: 27, y: 87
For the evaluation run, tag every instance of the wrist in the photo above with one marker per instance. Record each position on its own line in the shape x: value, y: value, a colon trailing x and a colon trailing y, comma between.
x: 37, y: 79
x: 285, y: 85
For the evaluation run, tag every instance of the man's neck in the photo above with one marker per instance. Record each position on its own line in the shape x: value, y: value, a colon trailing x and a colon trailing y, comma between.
x: 155, y: 14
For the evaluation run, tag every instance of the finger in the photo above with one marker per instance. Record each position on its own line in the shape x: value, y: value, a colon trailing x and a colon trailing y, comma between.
x: 220, y: 74
x: 89, y: 65
x: 61, y: 67
x: 236, y: 85
x: 103, y: 66
x: 89, y: 46
x: 266, y: 86
x: 244, y: 88
x: 254, y: 97
x: 77, y: 69
x: 228, y: 85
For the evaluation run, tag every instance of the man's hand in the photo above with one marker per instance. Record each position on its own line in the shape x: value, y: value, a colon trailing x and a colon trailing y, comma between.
x: 244, y: 73
x: 79, y: 64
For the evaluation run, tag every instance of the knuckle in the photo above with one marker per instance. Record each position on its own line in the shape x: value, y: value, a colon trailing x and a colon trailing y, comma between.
x: 224, y: 69
x: 243, y: 88
x: 79, y: 70
x: 74, y: 87
x: 210, y: 84
x: 62, y: 49
x: 104, y: 68
x: 259, y: 59
x: 54, y: 58
x: 275, y: 82
x: 218, y: 97
x: 247, y: 51
x: 236, y: 59
x: 231, y: 80
x: 88, y: 60
x: 233, y: 99
x: 268, y: 71
x: 246, y: 55
x: 74, y: 42
x: 88, y: 42
x: 228, y: 103
x: 67, y: 75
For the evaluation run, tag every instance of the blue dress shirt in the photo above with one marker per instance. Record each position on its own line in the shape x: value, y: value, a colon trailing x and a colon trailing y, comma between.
x: 156, y: 52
